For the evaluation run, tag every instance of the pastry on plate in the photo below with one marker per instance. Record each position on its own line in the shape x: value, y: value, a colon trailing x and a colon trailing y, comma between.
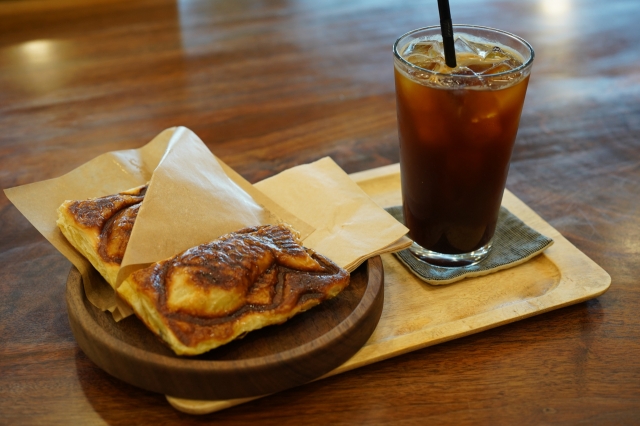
x: 99, y: 228
x: 216, y: 292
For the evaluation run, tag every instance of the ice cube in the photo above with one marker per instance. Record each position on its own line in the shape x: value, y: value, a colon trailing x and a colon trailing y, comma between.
x: 463, y: 46
x: 498, y: 68
x: 481, y: 49
x: 424, y: 61
x: 462, y: 70
x: 480, y: 67
x: 430, y: 49
x: 497, y: 54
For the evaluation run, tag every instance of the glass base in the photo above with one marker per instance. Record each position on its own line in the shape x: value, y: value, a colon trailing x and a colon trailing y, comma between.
x: 450, y: 260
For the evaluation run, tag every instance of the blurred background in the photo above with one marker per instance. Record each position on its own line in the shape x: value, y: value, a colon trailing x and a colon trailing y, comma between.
x: 128, y: 70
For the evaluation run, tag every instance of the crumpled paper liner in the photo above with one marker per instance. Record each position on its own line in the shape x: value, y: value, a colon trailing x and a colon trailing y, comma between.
x: 190, y: 201
x: 350, y: 227
x: 193, y: 198
x: 106, y: 174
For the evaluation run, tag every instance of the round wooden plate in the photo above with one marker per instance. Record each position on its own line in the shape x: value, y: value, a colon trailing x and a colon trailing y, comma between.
x: 265, y: 361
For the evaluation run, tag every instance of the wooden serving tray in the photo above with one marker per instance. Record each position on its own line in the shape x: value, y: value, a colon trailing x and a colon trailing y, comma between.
x: 265, y: 361
x: 417, y: 315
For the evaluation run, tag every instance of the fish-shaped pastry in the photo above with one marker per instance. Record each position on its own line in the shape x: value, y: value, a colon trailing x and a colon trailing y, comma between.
x: 99, y: 228
x: 210, y: 294
x: 216, y: 292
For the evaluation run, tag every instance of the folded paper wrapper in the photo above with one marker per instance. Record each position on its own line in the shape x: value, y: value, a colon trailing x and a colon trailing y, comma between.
x: 194, y: 198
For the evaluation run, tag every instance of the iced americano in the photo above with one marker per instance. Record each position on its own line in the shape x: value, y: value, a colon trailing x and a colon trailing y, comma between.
x: 457, y: 127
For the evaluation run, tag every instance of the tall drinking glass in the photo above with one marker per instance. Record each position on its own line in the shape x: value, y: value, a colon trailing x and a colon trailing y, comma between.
x: 457, y: 128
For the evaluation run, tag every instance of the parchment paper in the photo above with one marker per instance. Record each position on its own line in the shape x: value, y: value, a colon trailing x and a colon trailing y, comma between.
x: 106, y: 174
x: 190, y: 200
x: 350, y: 227
x: 194, y: 198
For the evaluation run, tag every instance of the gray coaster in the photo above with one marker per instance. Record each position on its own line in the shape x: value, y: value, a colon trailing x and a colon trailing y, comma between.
x: 513, y: 243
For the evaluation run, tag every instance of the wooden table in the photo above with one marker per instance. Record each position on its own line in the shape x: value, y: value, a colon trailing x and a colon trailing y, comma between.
x: 269, y: 85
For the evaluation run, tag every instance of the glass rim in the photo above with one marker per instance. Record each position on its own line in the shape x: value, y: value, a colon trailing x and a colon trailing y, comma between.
x: 520, y: 68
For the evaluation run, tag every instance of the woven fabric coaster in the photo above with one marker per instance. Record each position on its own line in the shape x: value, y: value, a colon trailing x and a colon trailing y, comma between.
x: 513, y: 243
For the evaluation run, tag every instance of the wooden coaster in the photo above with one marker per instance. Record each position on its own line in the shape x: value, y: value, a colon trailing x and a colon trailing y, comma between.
x: 265, y: 361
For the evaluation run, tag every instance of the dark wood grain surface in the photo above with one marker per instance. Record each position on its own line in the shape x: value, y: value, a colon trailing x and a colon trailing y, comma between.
x: 272, y: 84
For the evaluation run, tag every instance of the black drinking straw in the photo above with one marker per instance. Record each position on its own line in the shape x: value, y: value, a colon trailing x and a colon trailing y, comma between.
x: 447, y: 33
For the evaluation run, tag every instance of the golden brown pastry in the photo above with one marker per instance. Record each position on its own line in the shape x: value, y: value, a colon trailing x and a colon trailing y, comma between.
x: 99, y: 228
x: 215, y: 292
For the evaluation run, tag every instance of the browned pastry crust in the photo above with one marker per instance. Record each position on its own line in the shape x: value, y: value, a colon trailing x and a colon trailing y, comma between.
x: 215, y: 292
x: 100, y: 228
